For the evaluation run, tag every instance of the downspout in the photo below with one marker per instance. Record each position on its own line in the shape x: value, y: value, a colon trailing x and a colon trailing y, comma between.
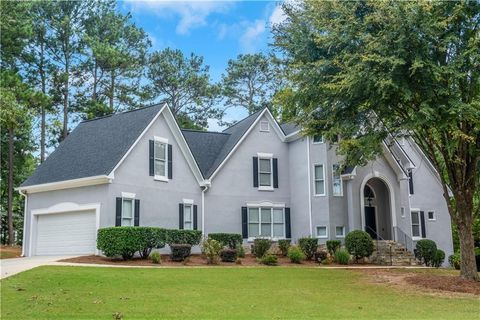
x: 24, y: 221
x: 309, y: 188
x: 205, y: 187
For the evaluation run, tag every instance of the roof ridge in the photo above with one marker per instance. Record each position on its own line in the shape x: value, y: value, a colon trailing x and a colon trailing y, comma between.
x: 120, y: 113
x: 203, y: 131
x: 233, y: 125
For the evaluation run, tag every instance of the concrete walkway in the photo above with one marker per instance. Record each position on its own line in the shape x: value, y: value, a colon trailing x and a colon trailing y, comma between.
x: 9, y: 267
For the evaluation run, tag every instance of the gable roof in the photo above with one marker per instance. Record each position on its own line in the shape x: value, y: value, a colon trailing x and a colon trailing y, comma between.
x: 94, y: 147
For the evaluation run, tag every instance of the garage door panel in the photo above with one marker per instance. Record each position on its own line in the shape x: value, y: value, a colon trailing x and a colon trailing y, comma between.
x: 66, y: 233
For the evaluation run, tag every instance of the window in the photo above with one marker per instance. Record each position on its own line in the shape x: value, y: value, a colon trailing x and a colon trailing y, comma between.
x: 319, y: 180
x: 318, y: 139
x: 322, y: 232
x: 431, y: 216
x: 187, y: 217
x: 416, y: 224
x: 265, y: 172
x: 337, y: 181
x: 266, y: 222
x: 402, y: 212
x: 127, y: 212
x: 264, y: 126
x: 160, y: 158
x: 340, y: 231
x: 410, y: 181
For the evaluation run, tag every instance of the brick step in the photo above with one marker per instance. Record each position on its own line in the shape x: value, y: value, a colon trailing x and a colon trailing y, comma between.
x: 388, y: 252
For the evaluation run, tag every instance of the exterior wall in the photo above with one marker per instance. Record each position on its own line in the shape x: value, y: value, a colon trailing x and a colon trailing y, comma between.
x: 233, y: 187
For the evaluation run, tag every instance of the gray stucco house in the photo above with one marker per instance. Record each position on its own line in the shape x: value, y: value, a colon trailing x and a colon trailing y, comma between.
x: 257, y: 178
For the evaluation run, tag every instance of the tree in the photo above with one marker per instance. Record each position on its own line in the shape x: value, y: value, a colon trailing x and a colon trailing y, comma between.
x: 184, y: 83
x: 249, y: 82
x: 367, y: 70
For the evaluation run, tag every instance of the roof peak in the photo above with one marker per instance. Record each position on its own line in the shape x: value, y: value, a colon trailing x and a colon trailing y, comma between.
x: 248, y: 117
x: 120, y: 113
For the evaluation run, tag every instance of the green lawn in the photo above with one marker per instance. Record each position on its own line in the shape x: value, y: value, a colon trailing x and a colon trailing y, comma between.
x: 216, y: 293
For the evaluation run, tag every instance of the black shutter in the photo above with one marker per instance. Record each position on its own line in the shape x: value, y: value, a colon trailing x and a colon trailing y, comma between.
x: 255, y: 172
x: 180, y: 216
x: 422, y: 221
x: 118, y: 213
x: 151, y: 155
x: 136, y: 221
x: 170, y: 164
x: 275, y: 172
x: 195, y: 215
x: 288, y: 228
x: 244, y: 223
x: 410, y: 181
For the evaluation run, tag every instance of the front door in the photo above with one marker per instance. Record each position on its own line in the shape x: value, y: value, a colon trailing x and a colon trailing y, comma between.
x: 371, y: 222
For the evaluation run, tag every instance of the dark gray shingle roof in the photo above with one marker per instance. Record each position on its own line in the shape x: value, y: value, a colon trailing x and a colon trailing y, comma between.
x: 94, y: 147
x: 289, y: 128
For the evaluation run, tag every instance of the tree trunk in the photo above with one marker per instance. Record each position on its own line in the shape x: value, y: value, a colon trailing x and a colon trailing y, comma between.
x: 95, y: 69
x: 43, y: 118
x: 112, y: 88
x: 468, y: 266
x: 10, y: 188
x: 65, y: 104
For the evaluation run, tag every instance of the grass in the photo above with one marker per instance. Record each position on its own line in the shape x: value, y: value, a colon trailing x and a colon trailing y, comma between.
x: 54, y: 292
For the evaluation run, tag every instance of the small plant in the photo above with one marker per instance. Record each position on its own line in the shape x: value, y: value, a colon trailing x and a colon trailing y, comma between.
x: 269, y: 259
x: 454, y: 260
x: 240, y: 251
x: 359, y: 244
x: 283, y: 245
x: 228, y: 255
x: 321, y: 256
x: 238, y: 261
x: 186, y: 261
x: 260, y: 247
x: 438, y: 259
x: 211, y: 249
x: 342, y: 256
x: 180, y: 251
x: 308, y: 246
x: 231, y: 240
x: 295, y: 254
x: 425, y: 251
x: 156, y: 257
x: 333, y: 245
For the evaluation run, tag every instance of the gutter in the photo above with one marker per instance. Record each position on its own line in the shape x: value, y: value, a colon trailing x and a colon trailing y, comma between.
x: 24, y: 220
x: 67, y: 184
x: 205, y: 187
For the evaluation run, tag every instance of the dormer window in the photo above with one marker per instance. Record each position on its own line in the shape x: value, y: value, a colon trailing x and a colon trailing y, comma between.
x: 265, y: 172
x: 160, y: 159
x: 264, y: 126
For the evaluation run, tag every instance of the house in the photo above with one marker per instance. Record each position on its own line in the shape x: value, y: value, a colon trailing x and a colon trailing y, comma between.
x: 257, y: 178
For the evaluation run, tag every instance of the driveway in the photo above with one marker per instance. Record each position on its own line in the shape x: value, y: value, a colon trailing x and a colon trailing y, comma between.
x: 9, y: 267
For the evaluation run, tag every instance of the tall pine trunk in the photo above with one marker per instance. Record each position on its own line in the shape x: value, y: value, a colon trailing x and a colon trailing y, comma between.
x: 11, y: 240
x: 65, y: 101
x: 112, y: 88
x: 43, y: 116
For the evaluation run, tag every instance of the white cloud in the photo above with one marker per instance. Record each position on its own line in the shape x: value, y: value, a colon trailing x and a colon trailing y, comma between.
x: 192, y: 14
x: 277, y: 16
x: 252, y: 36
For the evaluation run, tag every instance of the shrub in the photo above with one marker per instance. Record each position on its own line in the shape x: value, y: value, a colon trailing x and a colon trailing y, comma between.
x: 240, y: 251
x: 342, y: 256
x: 180, y: 251
x: 269, y: 259
x: 231, y: 240
x: 156, y: 257
x: 238, y: 261
x: 283, y: 245
x: 119, y: 241
x: 150, y: 238
x: 321, y: 256
x: 359, y: 244
x: 228, y: 255
x: 211, y: 248
x: 425, y: 251
x: 454, y: 260
x: 260, y: 247
x: 438, y: 259
x: 333, y: 245
x: 308, y: 246
x: 191, y: 237
x: 295, y: 254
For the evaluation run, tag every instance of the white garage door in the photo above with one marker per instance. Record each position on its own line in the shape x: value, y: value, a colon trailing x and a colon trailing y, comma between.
x: 67, y: 233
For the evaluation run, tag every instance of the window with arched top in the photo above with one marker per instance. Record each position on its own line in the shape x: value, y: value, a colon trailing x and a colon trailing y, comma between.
x: 368, y: 192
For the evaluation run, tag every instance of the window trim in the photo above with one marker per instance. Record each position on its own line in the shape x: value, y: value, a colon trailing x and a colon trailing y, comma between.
x: 132, y: 218
x: 419, y: 224
x: 326, y: 231
x: 322, y: 139
x: 190, y: 205
x: 315, y: 194
x: 165, y: 142
x: 434, y: 215
x: 268, y: 126
x: 271, y: 208
x: 333, y: 181
x: 343, y: 232
x: 265, y: 156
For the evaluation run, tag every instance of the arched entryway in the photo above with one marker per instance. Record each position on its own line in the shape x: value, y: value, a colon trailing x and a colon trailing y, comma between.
x: 377, y: 214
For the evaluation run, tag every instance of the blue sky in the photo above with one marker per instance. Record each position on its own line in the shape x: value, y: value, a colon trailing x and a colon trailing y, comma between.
x: 216, y: 30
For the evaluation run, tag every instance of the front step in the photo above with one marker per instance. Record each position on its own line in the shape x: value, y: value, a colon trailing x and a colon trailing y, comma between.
x: 391, y: 253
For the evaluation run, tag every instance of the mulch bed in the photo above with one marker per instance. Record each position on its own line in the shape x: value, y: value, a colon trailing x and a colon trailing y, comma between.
x: 445, y: 283
x: 8, y: 252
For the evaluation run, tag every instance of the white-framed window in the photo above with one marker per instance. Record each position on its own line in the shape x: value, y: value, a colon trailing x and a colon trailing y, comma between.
x: 319, y: 176
x: 416, y: 224
x: 318, y: 138
x: 402, y: 212
x: 266, y: 222
x: 265, y: 172
x: 187, y: 216
x: 160, y: 158
x: 322, y: 232
x: 264, y: 126
x: 128, y: 208
x: 337, y: 183
x: 431, y: 216
x: 340, y: 231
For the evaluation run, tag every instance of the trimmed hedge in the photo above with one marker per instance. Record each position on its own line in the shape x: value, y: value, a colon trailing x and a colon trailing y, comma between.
x: 438, y: 259
x: 191, y: 237
x: 260, y: 247
x: 180, y: 251
x: 231, y: 240
x: 283, y: 245
x: 333, y: 245
x: 309, y: 246
x: 228, y: 255
x: 126, y: 241
x: 359, y: 244
x: 150, y: 238
x: 425, y: 251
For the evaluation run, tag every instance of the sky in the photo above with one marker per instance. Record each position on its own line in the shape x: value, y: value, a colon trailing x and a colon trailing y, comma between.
x: 216, y: 30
